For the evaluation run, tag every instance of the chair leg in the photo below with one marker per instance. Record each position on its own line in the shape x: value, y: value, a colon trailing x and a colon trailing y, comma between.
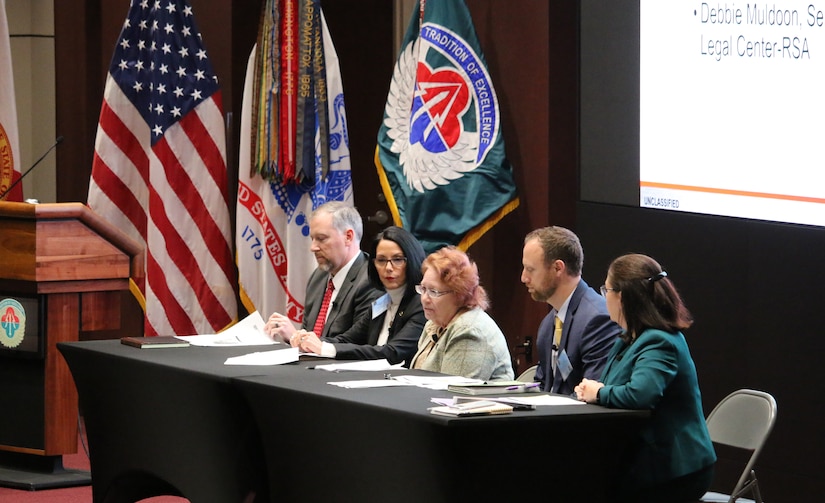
x: 757, y: 496
x: 752, y: 487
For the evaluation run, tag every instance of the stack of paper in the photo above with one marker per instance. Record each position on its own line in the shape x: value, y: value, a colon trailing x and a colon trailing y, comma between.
x: 368, y: 383
x: 435, y: 382
x: 474, y: 408
x: 494, y: 388
x: 247, y: 332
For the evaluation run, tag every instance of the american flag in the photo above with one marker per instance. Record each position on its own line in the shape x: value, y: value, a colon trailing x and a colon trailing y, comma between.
x: 159, y: 171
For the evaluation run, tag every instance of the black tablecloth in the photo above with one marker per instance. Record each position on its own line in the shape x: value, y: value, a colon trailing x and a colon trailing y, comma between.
x: 179, y: 421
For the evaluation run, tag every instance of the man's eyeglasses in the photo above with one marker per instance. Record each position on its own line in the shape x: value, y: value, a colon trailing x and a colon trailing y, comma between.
x: 395, y: 261
x: 433, y: 294
x: 604, y: 290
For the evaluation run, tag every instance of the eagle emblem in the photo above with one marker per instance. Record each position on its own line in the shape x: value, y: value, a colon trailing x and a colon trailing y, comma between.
x: 424, y: 112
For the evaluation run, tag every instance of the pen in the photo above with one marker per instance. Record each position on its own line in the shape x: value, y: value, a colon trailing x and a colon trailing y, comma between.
x: 523, y: 386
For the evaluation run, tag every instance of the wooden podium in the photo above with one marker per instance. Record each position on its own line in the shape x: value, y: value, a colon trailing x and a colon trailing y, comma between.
x: 68, y: 265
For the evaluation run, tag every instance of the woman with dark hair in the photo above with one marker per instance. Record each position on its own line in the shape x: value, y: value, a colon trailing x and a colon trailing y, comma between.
x: 460, y: 338
x: 650, y: 368
x: 396, y: 321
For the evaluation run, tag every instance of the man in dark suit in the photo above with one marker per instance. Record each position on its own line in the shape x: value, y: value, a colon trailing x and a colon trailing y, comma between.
x: 338, y: 291
x: 575, y: 338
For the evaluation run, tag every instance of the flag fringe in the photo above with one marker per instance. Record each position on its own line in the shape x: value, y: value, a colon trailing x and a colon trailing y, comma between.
x: 244, y: 297
x: 385, y: 187
x: 475, y: 234
x: 247, y: 302
x: 135, y: 289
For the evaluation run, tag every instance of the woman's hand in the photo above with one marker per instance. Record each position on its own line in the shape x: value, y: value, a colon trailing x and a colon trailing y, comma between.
x: 588, y: 390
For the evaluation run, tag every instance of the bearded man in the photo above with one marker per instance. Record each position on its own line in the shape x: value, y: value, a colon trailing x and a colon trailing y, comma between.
x: 577, y: 334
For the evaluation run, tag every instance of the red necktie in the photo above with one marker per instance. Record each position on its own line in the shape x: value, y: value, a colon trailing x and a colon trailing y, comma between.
x: 322, y: 314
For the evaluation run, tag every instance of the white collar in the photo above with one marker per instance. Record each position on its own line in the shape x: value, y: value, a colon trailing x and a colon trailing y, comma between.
x: 341, y: 275
x: 562, y: 311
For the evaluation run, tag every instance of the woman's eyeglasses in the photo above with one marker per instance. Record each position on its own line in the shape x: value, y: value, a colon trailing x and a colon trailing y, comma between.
x: 431, y: 293
x: 604, y: 290
x: 395, y: 261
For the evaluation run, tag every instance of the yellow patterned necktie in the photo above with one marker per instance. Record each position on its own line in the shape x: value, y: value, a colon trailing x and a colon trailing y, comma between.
x: 557, y: 334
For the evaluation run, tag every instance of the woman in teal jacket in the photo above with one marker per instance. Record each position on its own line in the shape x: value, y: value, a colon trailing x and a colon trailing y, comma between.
x: 650, y: 367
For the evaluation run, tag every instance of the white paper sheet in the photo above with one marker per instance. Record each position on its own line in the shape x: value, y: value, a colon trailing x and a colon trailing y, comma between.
x: 543, y: 400
x: 247, y: 332
x: 274, y: 357
x: 382, y: 364
x: 435, y: 382
x: 537, y: 400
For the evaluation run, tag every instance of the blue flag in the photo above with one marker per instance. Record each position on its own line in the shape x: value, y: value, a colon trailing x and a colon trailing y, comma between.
x: 440, y: 154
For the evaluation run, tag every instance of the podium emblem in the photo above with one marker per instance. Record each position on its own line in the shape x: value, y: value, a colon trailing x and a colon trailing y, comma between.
x: 12, y: 323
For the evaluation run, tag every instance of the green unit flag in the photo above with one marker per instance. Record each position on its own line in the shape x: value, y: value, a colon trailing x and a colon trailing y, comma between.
x: 440, y: 154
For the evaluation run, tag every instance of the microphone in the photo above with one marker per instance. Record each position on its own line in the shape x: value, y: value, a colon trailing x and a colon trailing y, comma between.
x: 56, y: 143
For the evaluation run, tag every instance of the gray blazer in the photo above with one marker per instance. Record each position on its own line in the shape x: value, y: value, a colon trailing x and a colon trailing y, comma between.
x: 351, y: 304
x: 471, y: 346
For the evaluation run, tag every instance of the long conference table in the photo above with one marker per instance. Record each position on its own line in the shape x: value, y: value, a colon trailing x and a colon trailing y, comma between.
x: 179, y: 421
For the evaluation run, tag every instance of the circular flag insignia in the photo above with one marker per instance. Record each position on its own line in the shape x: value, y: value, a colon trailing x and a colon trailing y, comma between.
x: 442, y: 113
x: 6, y: 161
x: 12, y: 323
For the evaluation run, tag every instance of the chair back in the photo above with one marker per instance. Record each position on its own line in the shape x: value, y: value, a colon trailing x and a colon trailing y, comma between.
x: 528, y: 375
x: 743, y: 419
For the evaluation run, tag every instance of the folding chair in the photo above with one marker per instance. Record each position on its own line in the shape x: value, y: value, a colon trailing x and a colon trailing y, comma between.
x: 743, y: 420
x: 528, y: 375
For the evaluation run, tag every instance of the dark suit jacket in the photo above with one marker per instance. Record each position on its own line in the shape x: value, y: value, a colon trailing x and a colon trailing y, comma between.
x: 587, y: 336
x: 359, y: 342
x: 657, y: 373
x: 351, y: 304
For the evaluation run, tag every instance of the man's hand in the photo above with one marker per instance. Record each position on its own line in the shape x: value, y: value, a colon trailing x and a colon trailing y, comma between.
x: 279, y: 328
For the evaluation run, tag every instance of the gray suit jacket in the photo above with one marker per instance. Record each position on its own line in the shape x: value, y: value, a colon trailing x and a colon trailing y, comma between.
x: 472, y: 346
x: 351, y: 304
